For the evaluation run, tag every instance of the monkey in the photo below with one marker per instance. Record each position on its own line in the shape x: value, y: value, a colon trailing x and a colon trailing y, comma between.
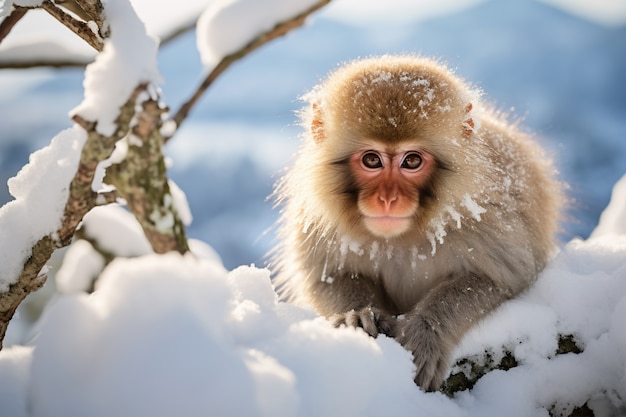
x: 413, y: 209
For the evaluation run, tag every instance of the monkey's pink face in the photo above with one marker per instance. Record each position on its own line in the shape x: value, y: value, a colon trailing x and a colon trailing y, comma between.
x: 389, y: 183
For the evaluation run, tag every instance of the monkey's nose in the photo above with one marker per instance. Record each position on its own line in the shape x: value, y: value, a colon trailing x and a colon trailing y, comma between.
x: 388, y: 200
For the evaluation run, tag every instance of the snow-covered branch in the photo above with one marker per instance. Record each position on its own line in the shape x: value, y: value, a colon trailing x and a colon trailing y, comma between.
x: 80, y: 198
x: 60, y: 184
x: 84, y: 18
x: 116, y: 141
x: 278, y: 30
x: 80, y: 27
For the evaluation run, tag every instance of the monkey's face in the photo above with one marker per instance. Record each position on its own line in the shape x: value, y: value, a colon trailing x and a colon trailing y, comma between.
x: 390, y: 180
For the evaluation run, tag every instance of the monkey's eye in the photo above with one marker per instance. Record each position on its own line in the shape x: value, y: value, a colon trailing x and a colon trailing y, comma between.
x: 371, y: 160
x: 412, y: 161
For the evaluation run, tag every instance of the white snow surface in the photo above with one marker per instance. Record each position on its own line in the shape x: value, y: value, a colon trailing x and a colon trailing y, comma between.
x: 180, y: 335
x: 228, y: 25
x: 40, y: 190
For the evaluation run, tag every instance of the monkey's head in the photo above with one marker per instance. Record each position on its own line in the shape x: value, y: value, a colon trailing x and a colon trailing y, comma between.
x: 382, y: 136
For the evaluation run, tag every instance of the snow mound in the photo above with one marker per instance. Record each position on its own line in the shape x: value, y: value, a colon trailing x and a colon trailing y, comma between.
x: 174, y: 335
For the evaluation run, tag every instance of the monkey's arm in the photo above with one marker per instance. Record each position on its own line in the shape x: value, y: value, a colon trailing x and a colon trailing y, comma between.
x: 353, y: 300
x: 438, y: 322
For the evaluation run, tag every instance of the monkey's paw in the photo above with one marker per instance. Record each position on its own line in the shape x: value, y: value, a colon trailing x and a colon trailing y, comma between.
x: 370, y: 319
x: 431, y: 351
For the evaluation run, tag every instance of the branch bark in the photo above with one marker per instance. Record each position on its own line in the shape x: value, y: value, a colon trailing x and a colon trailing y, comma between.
x: 279, y: 30
x: 10, y: 21
x: 467, y: 371
x: 88, y: 10
x: 141, y: 179
x: 79, y: 27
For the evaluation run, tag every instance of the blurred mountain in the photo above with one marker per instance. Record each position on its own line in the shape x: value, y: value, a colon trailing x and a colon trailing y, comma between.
x: 564, y: 76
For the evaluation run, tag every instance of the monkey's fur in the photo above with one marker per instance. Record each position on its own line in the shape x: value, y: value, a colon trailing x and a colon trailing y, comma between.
x: 482, y: 230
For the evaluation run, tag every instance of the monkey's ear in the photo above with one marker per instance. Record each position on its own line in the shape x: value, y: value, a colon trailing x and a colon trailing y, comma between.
x: 317, y: 124
x: 468, y: 123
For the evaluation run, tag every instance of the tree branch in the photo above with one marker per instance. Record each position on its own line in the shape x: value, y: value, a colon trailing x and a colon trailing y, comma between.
x: 280, y: 29
x: 88, y: 10
x: 141, y: 180
x: 37, y: 62
x: 10, y: 21
x: 79, y: 27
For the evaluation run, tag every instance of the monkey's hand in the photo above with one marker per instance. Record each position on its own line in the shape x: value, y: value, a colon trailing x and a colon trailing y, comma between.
x: 430, y: 347
x: 370, y: 319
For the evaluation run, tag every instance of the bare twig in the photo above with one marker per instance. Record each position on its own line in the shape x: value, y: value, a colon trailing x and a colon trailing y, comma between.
x: 79, y: 27
x: 38, y: 62
x: 280, y: 29
x: 10, y: 21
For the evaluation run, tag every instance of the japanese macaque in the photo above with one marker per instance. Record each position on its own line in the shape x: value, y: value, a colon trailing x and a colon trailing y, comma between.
x: 412, y: 209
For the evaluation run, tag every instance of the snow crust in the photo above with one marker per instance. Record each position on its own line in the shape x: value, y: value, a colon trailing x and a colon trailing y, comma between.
x: 228, y: 25
x: 40, y: 190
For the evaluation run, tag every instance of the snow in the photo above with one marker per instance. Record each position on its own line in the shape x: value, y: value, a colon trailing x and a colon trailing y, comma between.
x: 40, y: 190
x: 116, y: 231
x: 227, y: 345
x: 613, y: 219
x: 14, y: 368
x: 162, y: 20
x: 228, y: 25
x: 128, y: 57
x: 473, y: 207
x: 180, y: 203
x: 82, y: 264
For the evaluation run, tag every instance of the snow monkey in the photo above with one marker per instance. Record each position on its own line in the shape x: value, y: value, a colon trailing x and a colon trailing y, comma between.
x: 412, y: 209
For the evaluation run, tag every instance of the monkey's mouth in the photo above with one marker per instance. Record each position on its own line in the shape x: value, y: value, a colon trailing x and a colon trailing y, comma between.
x: 387, y: 226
